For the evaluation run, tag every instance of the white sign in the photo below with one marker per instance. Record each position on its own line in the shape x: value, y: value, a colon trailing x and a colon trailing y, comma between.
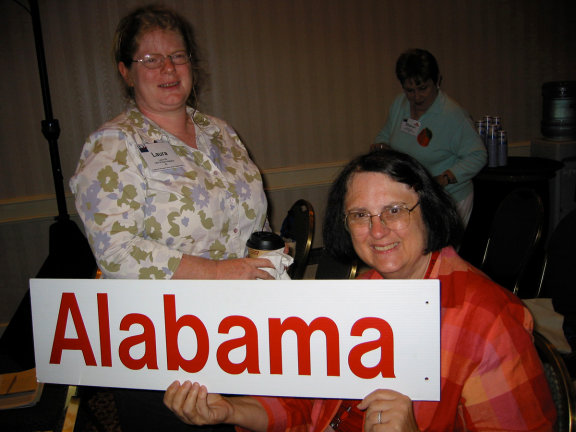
x: 308, y: 338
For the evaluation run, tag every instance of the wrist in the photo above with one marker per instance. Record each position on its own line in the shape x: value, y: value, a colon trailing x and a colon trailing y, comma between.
x: 448, y: 177
x: 248, y: 413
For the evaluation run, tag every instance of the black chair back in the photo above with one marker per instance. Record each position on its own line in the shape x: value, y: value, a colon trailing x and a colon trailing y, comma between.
x: 559, y: 275
x: 331, y: 268
x: 559, y: 381
x: 515, y: 235
x: 298, y: 225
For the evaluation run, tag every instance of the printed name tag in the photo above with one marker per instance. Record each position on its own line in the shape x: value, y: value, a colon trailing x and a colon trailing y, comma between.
x: 159, y: 156
x: 410, y: 126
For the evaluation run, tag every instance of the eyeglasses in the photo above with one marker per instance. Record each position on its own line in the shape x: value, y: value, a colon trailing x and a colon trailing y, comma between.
x: 154, y: 61
x: 395, y: 217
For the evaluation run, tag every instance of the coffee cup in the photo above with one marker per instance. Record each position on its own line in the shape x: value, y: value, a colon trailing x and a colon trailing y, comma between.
x: 261, y: 242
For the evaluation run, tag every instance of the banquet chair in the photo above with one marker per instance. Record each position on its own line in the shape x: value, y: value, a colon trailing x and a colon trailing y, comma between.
x: 558, y: 279
x: 298, y: 226
x: 560, y: 383
x: 329, y: 267
x: 514, y: 238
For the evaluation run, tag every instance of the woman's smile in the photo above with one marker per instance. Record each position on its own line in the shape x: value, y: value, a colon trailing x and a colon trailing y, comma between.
x: 170, y: 84
x: 385, y: 248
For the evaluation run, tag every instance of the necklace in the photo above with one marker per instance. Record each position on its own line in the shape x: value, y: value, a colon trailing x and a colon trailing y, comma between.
x: 427, y: 265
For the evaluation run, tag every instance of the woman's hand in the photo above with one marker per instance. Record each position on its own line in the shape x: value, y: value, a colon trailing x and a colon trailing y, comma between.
x: 243, y: 268
x: 445, y: 178
x: 388, y: 410
x: 193, y: 405
x: 442, y: 180
x: 192, y: 267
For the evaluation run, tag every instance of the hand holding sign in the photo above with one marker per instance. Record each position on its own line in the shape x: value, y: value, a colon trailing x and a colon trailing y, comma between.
x: 192, y: 404
x: 389, y: 410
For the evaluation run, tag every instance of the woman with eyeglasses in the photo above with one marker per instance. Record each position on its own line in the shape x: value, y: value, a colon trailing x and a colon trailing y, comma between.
x: 386, y: 210
x: 164, y: 190
x: 427, y: 124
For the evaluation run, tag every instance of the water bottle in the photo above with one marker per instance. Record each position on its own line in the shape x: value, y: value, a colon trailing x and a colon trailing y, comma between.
x: 492, y: 146
x: 502, y: 147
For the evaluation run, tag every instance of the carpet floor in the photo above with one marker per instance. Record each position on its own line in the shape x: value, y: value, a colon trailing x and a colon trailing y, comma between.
x: 97, y: 412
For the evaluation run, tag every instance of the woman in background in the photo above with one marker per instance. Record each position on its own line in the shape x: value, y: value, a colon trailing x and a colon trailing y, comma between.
x: 428, y: 125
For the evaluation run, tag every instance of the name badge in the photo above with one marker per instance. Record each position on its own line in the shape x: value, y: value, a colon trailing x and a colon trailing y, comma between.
x: 159, y: 156
x: 410, y: 126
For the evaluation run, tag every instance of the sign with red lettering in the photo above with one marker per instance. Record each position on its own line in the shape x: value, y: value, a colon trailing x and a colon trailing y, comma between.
x: 305, y: 338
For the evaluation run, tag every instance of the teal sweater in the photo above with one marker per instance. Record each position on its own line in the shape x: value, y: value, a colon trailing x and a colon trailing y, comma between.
x: 454, y: 143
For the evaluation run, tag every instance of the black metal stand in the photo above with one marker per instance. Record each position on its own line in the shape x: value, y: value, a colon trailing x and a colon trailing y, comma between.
x: 50, y: 125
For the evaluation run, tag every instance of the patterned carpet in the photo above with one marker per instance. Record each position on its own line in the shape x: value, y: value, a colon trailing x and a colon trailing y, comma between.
x: 97, y: 412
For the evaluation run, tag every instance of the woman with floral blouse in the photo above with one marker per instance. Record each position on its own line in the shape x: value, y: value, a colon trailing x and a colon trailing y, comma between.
x: 165, y: 191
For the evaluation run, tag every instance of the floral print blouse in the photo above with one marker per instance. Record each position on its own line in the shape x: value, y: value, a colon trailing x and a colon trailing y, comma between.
x: 140, y: 219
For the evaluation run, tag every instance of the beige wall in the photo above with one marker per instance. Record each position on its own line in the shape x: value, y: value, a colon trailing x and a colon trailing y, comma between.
x: 306, y: 83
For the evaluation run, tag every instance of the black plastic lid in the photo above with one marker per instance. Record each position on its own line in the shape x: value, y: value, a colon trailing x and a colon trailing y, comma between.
x: 265, y: 240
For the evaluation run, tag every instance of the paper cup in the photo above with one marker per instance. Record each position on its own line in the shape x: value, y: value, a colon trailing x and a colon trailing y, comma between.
x: 262, y: 242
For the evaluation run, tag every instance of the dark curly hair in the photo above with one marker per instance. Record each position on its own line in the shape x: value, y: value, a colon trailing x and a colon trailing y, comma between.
x: 419, y: 65
x: 443, y: 224
x: 153, y: 17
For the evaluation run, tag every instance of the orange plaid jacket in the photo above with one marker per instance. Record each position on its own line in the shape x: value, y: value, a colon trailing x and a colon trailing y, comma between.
x: 491, y: 376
